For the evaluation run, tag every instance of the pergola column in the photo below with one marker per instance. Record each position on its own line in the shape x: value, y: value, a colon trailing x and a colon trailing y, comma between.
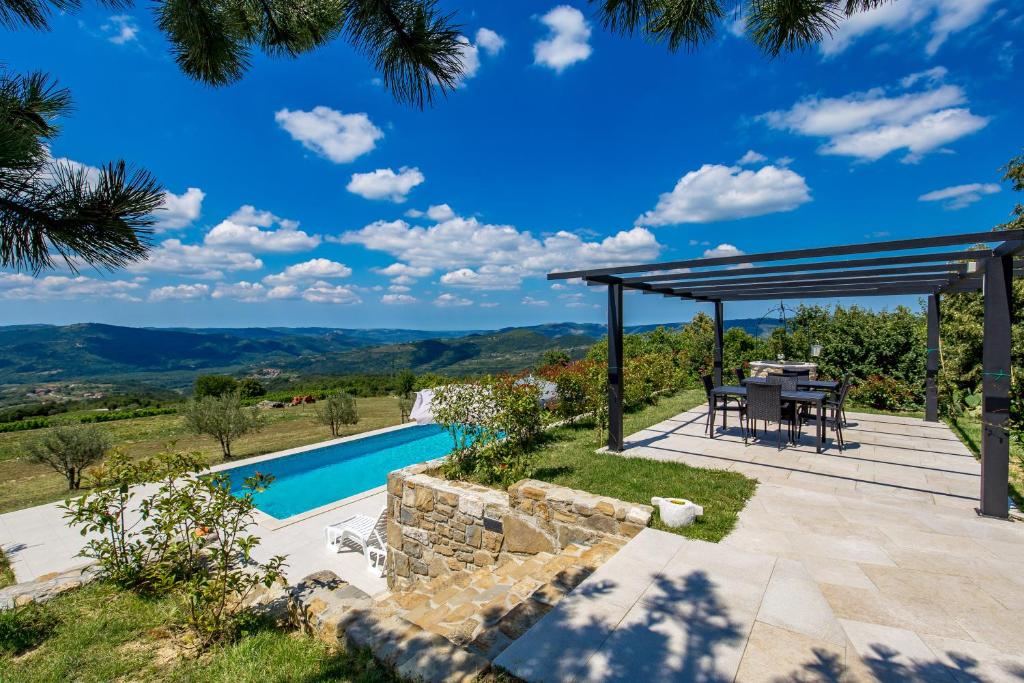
x: 719, y: 337
x: 615, y: 442
x: 996, y: 363
x: 931, y: 400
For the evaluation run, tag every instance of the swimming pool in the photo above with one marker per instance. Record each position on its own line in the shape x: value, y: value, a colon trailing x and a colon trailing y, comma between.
x: 310, y: 479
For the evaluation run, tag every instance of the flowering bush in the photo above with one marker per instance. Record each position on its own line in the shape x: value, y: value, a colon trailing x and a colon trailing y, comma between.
x: 493, y: 424
x: 886, y: 393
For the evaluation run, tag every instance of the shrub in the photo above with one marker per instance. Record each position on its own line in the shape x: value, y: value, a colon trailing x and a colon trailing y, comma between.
x: 250, y: 387
x: 69, y: 450
x: 114, y: 415
x: 555, y: 357
x: 188, y: 540
x: 223, y: 418
x: 215, y: 385
x: 22, y: 425
x: 337, y: 410
x: 24, y: 628
x: 885, y: 393
x: 494, y: 425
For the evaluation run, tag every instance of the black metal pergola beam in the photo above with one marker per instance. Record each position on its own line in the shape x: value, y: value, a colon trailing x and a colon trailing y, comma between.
x: 935, y: 269
x: 743, y: 288
x: 947, y: 257
x: 797, y: 254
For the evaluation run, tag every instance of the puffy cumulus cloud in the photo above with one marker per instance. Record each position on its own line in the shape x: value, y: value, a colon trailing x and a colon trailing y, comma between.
x: 121, y: 29
x: 717, y: 193
x: 384, y: 183
x: 194, y: 260
x: 339, y: 137
x: 244, y: 229
x: 530, y: 301
x: 942, y: 18
x: 20, y: 286
x: 314, y: 269
x: 283, y: 292
x: 489, y: 41
x: 440, y: 212
x: 723, y: 250
x: 180, y: 210
x: 751, y: 158
x: 403, y: 274
x: 179, y: 292
x: 485, y: 277
x: 567, y: 41
x: 447, y: 300
x: 960, y: 196
x: 869, y: 125
x: 466, y: 243
x: 401, y: 289
x: 326, y: 293
x: 398, y: 299
x: 249, y: 292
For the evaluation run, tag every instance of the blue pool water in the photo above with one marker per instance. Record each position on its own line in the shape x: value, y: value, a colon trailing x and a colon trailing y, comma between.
x: 307, y: 480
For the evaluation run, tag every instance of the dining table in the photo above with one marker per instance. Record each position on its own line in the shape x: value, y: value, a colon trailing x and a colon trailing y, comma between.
x: 829, y: 385
x: 816, y: 398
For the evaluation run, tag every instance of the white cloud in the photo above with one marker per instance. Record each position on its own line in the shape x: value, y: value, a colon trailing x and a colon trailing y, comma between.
x: 121, y: 29
x: 869, y: 125
x: 489, y: 41
x: 283, y: 292
x: 489, y: 304
x: 750, y: 158
x: 465, y: 243
x: 171, y: 256
x: 469, y: 55
x: 567, y: 41
x: 722, y: 250
x: 960, y: 196
x: 485, y: 277
x: 530, y: 301
x: 248, y: 233
x: 450, y: 300
x: 314, y: 269
x: 398, y: 299
x: 717, y: 193
x: 384, y: 183
x: 248, y: 292
x: 180, y: 210
x: 179, y: 292
x: 400, y: 289
x: 326, y: 293
x: 944, y: 18
x: 338, y: 137
x: 25, y: 287
x: 440, y: 212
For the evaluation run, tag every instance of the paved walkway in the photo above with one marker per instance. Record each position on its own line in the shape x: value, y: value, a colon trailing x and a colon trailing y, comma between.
x: 865, y: 565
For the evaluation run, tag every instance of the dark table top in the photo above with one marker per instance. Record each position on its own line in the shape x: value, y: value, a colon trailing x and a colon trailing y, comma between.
x: 822, y: 384
x: 802, y: 396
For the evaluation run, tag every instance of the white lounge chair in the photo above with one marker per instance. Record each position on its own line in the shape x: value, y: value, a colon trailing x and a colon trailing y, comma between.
x: 366, y: 532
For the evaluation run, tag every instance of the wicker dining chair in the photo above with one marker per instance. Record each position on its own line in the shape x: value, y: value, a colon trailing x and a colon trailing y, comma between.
x: 790, y: 409
x: 723, y: 404
x: 740, y: 375
x: 835, y: 415
x: 764, y: 402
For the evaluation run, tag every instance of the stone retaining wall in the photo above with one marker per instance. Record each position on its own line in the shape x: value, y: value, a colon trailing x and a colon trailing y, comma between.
x: 438, y: 527
x: 46, y: 588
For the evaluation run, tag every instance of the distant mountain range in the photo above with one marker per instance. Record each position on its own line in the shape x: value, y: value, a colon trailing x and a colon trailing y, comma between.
x: 172, y: 357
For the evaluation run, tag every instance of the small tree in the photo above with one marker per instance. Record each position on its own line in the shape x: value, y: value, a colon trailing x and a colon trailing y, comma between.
x: 223, y: 418
x: 69, y: 450
x: 215, y: 385
x: 406, y: 382
x: 555, y: 357
x: 337, y: 410
x: 250, y: 387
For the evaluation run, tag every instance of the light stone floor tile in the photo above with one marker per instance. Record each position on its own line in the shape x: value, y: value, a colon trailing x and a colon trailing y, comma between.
x: 894, y: 654
x: 774, y: 654
x: 972, y: 661
x: 793, y: 601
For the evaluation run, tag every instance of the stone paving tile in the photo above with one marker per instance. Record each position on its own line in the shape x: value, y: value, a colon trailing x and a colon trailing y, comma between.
x: 794, y: 601
x: 775, y: 654
x: 894, y: 654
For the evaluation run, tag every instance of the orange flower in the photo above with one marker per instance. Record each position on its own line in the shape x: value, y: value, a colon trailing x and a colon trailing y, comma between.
x: 201, y: 531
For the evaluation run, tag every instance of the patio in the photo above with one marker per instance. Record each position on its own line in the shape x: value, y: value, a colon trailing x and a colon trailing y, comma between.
x: 864, y: 565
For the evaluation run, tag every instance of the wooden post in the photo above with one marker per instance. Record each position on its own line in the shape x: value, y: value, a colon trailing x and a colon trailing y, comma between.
x: 615, y: 442
x: 931, y: 400
x: 995, y: 364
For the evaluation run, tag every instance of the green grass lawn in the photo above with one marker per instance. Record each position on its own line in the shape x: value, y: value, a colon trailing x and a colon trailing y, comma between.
x: 101, y: 634
x: 6, y: 573
x: 569, y: 459
x: 24, y: 483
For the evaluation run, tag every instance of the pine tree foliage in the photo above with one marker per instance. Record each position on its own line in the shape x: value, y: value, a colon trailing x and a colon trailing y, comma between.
x: 775, y: 26
x: 52, y: 209
x: 416, y: 48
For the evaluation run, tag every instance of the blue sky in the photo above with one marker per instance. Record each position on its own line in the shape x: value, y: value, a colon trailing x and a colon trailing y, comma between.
x: 302, y: 195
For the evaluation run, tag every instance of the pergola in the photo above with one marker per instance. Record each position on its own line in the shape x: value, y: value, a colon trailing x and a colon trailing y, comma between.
x: 926, y: 266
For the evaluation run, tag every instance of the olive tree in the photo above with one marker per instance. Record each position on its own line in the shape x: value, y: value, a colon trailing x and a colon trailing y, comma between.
x: 337, y: 410
x: 69, y: 450
x: 222, y: 417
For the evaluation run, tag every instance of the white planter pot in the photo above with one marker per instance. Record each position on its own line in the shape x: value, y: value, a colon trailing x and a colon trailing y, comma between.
x: 677, y: 512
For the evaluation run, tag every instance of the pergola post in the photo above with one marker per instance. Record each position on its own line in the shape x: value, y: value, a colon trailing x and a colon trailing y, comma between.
x: 615, y: 442
x: 995, y: 364
x: 719, y: 336
x: 931, y: 399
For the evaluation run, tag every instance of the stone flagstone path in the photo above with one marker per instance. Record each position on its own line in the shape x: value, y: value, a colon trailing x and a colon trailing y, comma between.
x: 867, y: 565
